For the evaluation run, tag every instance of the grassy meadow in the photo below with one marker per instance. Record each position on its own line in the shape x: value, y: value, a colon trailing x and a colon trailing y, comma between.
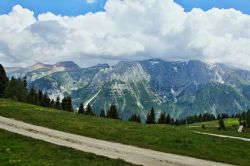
x: 19, y: 150
x: 232, y: 125
x: 172, y: 139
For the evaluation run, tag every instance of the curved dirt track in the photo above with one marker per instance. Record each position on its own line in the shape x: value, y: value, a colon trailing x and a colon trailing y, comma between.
x: 128, y: 153
x: 223, y: 136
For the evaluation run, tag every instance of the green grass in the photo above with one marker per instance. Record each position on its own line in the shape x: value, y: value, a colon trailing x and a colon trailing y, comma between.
x: 19, y: 150
x: 179, y: 140
x: 231, y: 124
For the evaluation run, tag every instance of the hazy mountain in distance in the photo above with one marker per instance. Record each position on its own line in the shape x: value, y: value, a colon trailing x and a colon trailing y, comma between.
x: 178, y: 88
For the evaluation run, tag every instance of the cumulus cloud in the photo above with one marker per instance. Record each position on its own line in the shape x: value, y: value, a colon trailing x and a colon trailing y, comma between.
x: 126, y: 30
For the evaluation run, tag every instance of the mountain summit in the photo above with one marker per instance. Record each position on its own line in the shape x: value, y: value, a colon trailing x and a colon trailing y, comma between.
x: 179, y: 88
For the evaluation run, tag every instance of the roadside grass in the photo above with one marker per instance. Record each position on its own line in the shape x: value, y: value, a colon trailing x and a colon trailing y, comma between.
x: 179, y: 140
x: 232, y: 125
x: 20, y: 150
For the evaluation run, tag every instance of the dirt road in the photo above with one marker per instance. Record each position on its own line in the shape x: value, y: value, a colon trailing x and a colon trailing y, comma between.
x: 223, y: 136
x: 128, y: 153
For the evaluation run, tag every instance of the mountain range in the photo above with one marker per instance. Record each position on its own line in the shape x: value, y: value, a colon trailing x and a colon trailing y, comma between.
x: 181, y: 88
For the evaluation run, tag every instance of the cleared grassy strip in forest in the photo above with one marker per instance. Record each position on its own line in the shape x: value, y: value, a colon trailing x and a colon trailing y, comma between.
x: 179, y: 140
x: 20, y: 150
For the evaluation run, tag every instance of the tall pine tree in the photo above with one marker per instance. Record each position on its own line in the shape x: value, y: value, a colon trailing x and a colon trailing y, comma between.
x: 3, y: 81
x: 112, y: 112
x: 102, y: 114
x: 32, y: 97
x: 67, y: 104
x: 81, y: 109
x: 16, y: 90
x: 151, y: 117
x: 89, y: 110
x: 58, y: 103
x: 162, y: 119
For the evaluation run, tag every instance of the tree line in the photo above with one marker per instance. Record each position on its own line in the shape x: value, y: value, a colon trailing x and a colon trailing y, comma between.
x: 16, y: 89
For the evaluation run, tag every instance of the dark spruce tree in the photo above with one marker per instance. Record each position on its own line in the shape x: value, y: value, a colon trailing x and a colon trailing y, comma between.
x: 16, y: 90
x: 89, y: 110
x: 3, y: 81
x: 168, y: 119
x: 151, y: 117
x: 248, y: 119
x: 40, y: 97
x: 112, y: 112
x: 102, y: 114
x: 32, y: 97
x: 67, y: 104
x: 162, y: 118
x: 58, y: 103
x: 46, y: 100
x: 81, y: 109
x: 221, y: 125
x: 177, y: 123
x: 135, y: 118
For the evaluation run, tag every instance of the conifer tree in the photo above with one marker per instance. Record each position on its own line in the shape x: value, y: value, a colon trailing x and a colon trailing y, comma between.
x: 89, y: 110
x: 52, y: 103
x: 16, y: 90
x: 102, y: 114
x: 112, y: 112
x: 46, y: 100
x: 81, y: 109
x: 40, y: 97
x: 32, y: 96
x: 151, y: 117
x: 248, y: 119
x: 58, y: 103
x: 67, y: 104
x: 221, y: 125
x: 168, y: 119
x: 135, y: 118
x: 3, y: 81
x: 162, y: 118
x: 177, y: 123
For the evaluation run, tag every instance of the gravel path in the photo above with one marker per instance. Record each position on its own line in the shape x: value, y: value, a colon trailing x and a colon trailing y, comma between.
x: 223, y: 136
x: 128, y: 153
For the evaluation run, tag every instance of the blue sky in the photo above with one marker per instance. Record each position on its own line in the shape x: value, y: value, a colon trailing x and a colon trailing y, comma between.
x: 77, y: 7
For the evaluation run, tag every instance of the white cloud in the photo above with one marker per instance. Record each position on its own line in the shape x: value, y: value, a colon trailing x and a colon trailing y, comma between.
x: 90, y: 1
x: 127, y: 30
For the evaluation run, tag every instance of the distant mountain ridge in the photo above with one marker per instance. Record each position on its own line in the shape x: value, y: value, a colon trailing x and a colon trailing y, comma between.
x: 178, y: 88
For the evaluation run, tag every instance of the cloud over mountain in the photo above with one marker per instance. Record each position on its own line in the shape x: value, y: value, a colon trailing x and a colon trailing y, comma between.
x: 126, y: 30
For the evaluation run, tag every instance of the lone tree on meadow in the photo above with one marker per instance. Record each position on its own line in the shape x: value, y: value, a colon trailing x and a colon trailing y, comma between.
x: 221, y: 125
x: 3, y: 81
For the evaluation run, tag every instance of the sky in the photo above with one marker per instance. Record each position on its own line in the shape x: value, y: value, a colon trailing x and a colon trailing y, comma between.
x: 107, y: 31
x: 78, y: 7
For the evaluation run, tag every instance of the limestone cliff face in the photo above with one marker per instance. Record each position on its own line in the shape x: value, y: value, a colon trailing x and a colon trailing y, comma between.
x: 179, y: 88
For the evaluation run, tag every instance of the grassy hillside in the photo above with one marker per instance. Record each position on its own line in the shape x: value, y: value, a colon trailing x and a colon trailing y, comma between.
x: 20, y: 150
x: 179, y: 140
x: 231, y: 124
